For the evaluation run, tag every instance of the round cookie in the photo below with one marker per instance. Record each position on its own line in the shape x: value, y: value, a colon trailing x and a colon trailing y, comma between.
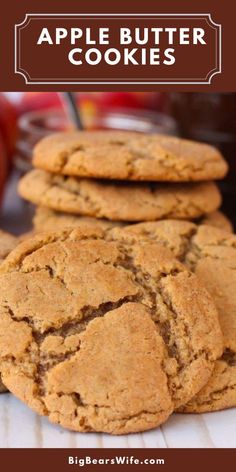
x: 102, y: 335
x: 47, y: 220
x: 119, y: 201
x: 7, y: 243
x: 211, y: 254
x: 136, y: 156
x: 218, y: 220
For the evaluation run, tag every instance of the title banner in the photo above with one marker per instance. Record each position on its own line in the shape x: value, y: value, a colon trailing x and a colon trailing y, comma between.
x: 118, y: 48
x: 146, y: 45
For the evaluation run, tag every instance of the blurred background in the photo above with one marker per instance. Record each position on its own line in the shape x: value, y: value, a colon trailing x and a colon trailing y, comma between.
x: 27, y: 117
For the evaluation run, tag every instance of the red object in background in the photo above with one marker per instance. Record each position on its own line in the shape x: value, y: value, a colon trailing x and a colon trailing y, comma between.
x: 31, y: 101
x: 142, y: 100
x: 8, y: 125
x: 3, y: 166
x: 8, y: 134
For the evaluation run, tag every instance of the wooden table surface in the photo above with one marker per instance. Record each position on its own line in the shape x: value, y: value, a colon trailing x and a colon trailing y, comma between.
x: 20, y: 427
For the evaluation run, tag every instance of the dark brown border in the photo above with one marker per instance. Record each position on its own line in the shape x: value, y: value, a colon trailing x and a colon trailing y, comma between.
x: 184, y: 460
x: 223, y: 12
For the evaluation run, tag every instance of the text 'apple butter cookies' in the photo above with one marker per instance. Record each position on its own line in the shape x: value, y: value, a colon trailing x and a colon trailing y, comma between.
x: 101, y: 334
x: 128, y: 156
x: 7, y: 243
x: 119, y: 201
x: 211, y: 254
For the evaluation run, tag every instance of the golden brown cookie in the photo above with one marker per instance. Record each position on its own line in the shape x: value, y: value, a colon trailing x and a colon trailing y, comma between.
x: 101, y: 335
x: 128, y: 156
x: 218, y: 220
x: 119, y: 201
x: 47, y: 220
x: 7, y: 243
x: 211, y: 254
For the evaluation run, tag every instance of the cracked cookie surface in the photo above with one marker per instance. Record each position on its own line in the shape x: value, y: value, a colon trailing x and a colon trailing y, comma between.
x: 211, y: 254
x: 7, y: 243
x: 125, y: 201
x: 136, y: 157
x: 103, y: 335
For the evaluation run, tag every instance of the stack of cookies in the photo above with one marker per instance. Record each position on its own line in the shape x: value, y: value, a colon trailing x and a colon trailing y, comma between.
x: 110, y: 327
x: 116, y: 178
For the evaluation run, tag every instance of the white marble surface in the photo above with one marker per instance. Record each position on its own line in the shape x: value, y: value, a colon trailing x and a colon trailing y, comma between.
x: 20, y: 427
